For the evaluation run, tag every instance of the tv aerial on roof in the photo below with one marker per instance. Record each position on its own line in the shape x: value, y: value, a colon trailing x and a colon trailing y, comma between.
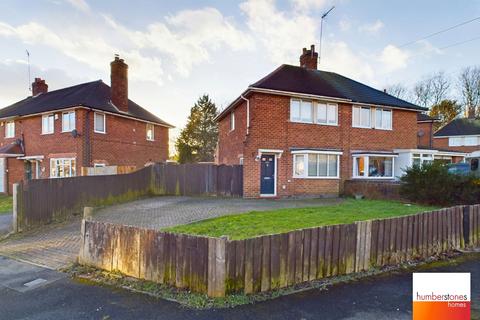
x: 321, y: 33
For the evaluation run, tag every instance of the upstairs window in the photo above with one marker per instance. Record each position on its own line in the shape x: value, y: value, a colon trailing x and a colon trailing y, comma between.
x: 99, y: 122
x: 232, y: 121
x: 361, y: 117
x: 10, y: 129
x: 68, y: 121
x: 150, y: 132
x: 366, y: 117
x: 306, y: 111
x: 327, y: 113
x: 383, y: 119
x: 47, y: 124
x: 467, y: 141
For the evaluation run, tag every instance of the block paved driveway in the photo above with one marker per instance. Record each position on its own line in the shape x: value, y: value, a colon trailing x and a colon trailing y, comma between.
x: 56, y: 246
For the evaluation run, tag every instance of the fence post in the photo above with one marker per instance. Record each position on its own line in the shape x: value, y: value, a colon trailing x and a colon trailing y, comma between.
x: 466, y: 225
x: 216, y: 267
x: 16, y: 190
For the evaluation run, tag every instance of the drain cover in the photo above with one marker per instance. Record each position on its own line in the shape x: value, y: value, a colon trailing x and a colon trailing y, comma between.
x: 34, y: 282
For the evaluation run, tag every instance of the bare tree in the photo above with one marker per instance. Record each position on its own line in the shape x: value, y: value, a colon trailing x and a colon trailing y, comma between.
x: 431, y: 90
x: 469, y: 85
x: 397, y: 90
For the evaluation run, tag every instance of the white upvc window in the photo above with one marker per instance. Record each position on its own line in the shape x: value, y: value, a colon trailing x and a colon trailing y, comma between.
x: 48, y: 123
x: 327, y: 113
x: 68, y: 121
x: 367, y: 117
x: 99, y: 122
x: 306, y: 111
x: 316, y: 165
x: 383, y: 119
x: 373, y: 166
x: 10, y: 129
x: 62, y: 167
x: 421, y: 158
x: 232, y: 121
x: 150, y: 132
x: 464, y: 141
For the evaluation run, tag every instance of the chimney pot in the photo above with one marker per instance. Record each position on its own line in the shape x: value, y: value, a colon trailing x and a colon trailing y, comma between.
x: 119, y: 83
x: 309, y: 58
x: 39, y: 86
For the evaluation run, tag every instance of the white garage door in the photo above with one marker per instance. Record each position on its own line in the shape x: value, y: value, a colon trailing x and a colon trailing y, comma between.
x: 2, y: 174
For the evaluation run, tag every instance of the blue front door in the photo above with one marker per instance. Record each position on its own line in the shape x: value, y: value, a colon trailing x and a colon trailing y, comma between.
x: 267, y: 175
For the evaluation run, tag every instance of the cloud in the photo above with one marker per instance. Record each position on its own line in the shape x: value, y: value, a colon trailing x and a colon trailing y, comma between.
x: 81, y: 5
x: 308, y: 4
x: 393, y: 58
x: 283, y: 34
x: 189, y: 37
x: 372, y: 28
x: 345, y: 24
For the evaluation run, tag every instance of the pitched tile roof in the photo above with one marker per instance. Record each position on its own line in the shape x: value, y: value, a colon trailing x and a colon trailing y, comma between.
x: 95, y: 95
x: 422, y: 117
x: 460, y: 127
x: 294, y: 79
x: 328, y: 84
x: 13, y: 149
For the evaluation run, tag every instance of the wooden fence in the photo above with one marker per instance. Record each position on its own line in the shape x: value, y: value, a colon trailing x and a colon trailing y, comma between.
x: 42, y: 201
x: 218, y: 266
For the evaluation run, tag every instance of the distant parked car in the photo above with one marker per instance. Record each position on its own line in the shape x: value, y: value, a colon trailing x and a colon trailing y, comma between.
x: 471, y: 166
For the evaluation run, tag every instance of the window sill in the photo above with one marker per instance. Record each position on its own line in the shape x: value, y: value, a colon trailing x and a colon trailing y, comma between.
x: 46, y: 133
x: 151, y: 140
x: 316, y: 123
x: 68, y: 131
x: 373, y: 178
x: 316, y: 178
x: 101, y: 132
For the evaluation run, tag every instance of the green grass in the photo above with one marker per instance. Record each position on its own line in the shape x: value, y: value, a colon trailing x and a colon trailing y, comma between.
x: 256, y: 223
x: 5, y: 204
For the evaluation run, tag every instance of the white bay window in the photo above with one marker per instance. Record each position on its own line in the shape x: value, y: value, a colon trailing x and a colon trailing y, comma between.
x: 373, y: 166
x: 316, y: 165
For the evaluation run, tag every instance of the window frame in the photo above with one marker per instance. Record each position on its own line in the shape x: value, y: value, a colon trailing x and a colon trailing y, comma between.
x: 232, y: 121
x: 305, y: 156
x: 74, y: 121
x: 372, y: 117
x: 462, y: 141
x: 47, y: 116
x: 7, y: 133
x: 152, y: 126
x: 367, y: 161
x: 54, y: 160
x: 314, y: 111
x: 95, y: 122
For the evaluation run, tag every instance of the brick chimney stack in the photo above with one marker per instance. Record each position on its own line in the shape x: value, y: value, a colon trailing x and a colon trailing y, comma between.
x: 39, y: 86
x: 119, y: 83
x: 309, y: 58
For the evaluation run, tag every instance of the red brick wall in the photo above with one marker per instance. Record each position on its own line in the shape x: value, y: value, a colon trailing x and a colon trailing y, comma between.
x: 270, y: 128
x: 426, y: 140
x: 442, y: 143
x: 124, y: 143
x: 231, y: 143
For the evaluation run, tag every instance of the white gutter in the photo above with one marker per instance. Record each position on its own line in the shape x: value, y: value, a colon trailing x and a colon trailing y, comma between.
x: 248, y: 111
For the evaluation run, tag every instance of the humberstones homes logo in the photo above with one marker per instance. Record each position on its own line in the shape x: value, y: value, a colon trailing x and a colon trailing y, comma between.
x: 441, y: 296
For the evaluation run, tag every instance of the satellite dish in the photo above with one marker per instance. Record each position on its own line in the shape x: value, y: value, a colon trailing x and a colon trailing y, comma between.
x: 75, y: 133
x: 420, y: 133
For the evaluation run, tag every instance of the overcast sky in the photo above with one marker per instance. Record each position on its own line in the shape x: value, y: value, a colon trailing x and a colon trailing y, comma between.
x: 178, y: 50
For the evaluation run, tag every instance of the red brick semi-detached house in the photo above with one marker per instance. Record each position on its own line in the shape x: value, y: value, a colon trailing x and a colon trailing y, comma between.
x: 84, y: 129
x: 302, y: 131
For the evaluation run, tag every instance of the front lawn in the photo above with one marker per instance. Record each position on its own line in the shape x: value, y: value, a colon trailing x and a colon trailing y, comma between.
x: 5, y: 204
x: 247, y: 225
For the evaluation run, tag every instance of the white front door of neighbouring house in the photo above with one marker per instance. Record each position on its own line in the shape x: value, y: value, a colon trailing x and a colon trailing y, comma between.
x: 2, y: 174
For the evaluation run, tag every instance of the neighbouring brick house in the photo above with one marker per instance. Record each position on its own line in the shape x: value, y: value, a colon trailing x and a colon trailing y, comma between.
x: 302, y: 131
x: 461, y: 134
x: 77, y: 130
